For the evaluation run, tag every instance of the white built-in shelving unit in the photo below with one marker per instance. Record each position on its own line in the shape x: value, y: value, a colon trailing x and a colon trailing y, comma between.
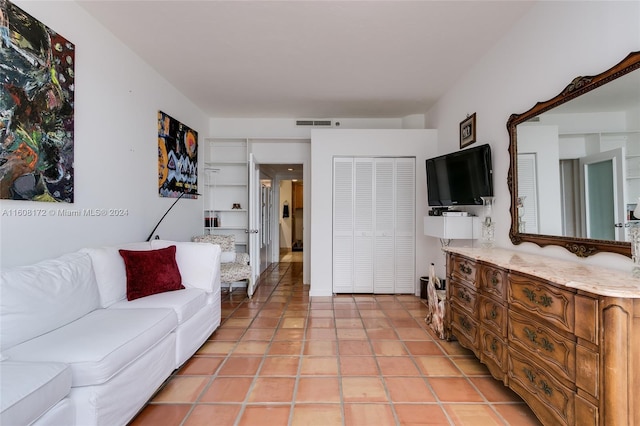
x: 226, y: 189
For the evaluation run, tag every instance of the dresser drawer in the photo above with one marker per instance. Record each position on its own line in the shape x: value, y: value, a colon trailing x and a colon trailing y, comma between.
x: 463, y: 269
x: 492, y: 315
x: 493, y: 282
x: 465, y: 297
x: 587, y: 414
x: 494, y: 352
x: 465, y: 328
x: 588, y: 371
x: 552, y: 402
x: 551, y: 349
x: 538, y: 299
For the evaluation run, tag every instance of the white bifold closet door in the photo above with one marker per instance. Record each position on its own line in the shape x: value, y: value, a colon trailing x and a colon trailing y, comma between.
x: 374, y: 225
x: 343, y: 190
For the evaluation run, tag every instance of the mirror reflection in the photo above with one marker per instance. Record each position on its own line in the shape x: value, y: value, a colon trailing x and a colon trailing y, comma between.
x: 574, y: 171
x: 579, y: 164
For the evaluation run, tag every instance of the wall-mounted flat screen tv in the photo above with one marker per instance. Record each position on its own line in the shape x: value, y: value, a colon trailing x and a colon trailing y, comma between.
x: 460, y: 178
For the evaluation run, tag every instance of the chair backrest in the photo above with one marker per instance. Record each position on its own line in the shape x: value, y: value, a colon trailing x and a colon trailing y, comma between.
x: 227, y: 243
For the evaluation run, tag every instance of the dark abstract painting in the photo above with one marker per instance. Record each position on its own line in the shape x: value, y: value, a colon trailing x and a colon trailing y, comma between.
x: 177, y: 158
x: 36, y: 109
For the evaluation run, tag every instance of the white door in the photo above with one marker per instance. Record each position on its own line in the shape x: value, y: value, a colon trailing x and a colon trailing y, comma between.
x: 363, y: 226
x: 384, y: 270
x: 253, y: 236
x: 342, y: 225
x: 602, y: 181
x: 405, y: 225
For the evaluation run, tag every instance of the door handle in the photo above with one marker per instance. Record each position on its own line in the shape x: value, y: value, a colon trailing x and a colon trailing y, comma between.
x: 622, y: 225
x: 251, y: 231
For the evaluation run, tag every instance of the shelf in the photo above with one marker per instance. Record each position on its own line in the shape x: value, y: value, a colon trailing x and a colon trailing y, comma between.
x: 225, y: 184
x: 226, y: 163
x: 605, y: 133
x: 227, y: 210
x: 227, y: 228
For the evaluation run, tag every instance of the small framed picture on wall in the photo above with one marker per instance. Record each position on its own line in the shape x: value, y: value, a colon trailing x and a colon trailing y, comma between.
x: 468, y: 130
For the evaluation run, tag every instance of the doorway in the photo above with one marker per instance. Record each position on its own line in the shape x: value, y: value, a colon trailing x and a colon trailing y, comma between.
x: 290, y: 226
x: 602, y: 182
x: 285, y: 225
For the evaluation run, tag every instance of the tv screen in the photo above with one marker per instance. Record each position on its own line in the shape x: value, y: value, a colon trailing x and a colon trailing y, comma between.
x: 460, y: 178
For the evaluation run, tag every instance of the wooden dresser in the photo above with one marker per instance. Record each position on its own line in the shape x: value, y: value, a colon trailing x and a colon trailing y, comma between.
x: 564, y: 336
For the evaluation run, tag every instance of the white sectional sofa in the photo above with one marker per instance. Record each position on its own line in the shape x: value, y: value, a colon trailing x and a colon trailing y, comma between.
x: 76, y: 351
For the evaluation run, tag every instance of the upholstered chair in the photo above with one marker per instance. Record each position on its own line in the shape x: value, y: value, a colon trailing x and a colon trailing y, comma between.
x: 234, y: 267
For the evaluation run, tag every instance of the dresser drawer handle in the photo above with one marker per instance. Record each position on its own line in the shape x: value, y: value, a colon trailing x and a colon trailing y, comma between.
x: 530, y: 375
x: 542, y: 300
x: 544, y: 343
x: 494, y: 345
x: 465, y: 324
x: 464, y: 296
x: 531, y: 335
x: 493, y: 314
x: 494, y: 279
x: 465, y: 269
x: 544, y: 386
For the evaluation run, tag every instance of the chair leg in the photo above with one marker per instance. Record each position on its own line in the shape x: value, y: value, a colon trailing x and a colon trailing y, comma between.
x: 249, y: 289
x: 230, y: 290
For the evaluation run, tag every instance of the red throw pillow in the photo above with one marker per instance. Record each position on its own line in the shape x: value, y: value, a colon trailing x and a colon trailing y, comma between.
x: 151, y: 272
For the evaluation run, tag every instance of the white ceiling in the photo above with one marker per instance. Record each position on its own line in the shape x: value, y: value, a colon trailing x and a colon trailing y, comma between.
x: 310, y: 59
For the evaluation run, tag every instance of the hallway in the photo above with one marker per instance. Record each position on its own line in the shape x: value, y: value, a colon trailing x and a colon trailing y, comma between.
x: 284, y: 358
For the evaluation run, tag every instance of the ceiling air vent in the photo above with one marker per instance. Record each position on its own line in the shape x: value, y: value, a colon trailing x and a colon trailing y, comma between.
x: 314, y: 123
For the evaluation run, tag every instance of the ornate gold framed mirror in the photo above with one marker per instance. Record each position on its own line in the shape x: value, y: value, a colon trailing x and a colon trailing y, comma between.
x: 574, y: 172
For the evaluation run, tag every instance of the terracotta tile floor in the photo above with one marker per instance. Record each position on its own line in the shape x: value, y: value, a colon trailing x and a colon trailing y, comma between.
x: 284, y: 358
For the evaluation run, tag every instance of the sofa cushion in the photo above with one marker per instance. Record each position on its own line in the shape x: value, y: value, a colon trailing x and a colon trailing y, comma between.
x: 198, y: 263
x: 100, y: 344
x: 111, y: 275
x: 27, y: 390
x: 185, y: 302
x: 44, y: 296
x: 151, y: 272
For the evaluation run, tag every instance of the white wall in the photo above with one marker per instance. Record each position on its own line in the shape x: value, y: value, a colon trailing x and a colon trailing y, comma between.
x: 546, y: 49
x: 117, y: 99
x: 327, y: 143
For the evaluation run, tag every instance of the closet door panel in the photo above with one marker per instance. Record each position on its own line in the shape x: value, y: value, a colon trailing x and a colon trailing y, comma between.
x: 384, y: 271
x: 343, y: 225
x: 363, y: 226
x: 405, y: 196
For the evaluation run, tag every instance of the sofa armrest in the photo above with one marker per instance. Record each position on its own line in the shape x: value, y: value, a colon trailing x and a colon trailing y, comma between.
x: 199, y: 263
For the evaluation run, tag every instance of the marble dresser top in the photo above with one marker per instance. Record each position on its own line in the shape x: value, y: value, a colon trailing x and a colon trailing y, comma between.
x: 594, y: 279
